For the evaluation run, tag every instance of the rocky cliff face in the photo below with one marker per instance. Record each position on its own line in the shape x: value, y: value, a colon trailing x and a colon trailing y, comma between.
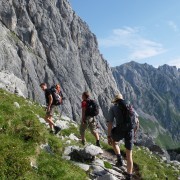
x: 154, y: 93
x: 45, y: 41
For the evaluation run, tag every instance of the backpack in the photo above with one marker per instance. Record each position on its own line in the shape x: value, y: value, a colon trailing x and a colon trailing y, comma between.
x: 92, y: 108
x: 57, y: 99
x: 129, y: 116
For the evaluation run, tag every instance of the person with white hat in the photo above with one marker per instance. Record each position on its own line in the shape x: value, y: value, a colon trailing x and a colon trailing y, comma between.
x: 118, y: 133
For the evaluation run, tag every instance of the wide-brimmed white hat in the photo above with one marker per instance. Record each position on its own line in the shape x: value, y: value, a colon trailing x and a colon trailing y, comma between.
x: 117, y: 97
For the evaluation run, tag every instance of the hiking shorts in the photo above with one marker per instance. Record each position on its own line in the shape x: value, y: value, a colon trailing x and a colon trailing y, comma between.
x: 51, y: 112
x: 128, y: 136
x: 90, y: 123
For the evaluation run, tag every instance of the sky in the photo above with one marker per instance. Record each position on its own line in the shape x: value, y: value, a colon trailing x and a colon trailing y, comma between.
x: 145, y: 31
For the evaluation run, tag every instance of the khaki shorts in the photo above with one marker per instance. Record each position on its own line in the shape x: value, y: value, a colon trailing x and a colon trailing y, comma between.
x: 90, y: 123
x: 51, y: 112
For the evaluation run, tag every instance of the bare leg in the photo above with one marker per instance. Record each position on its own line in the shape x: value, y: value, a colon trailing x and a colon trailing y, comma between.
x: 82, y: 131
x: 129, y: 161
x: 50, y: 121
x: 96, y: 135
x: 116, y: 147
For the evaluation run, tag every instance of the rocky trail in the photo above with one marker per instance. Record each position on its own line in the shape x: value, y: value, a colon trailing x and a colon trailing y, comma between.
x: 110, y: 156
x: 99, y: 163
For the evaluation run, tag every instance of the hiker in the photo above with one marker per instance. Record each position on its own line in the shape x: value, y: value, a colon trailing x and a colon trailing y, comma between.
x: 88, y: 119
x: 61, y: 97
x: 59, y: 92
x: 49, y: 109
x: 117, y: 133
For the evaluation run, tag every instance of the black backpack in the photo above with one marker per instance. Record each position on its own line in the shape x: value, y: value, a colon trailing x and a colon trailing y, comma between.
x: 56, y: 97
x: 92, y: 108
x: 129, y: 115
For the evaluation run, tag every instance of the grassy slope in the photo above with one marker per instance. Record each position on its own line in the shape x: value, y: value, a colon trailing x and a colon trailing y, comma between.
x: 163, y: 139
x: 21, y: 135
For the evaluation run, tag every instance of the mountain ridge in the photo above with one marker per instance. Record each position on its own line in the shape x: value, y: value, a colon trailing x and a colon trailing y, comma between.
x: 154, y: 92
x: 45, y: 41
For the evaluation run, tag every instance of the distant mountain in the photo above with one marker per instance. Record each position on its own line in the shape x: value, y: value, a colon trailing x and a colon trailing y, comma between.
x: 155, y: 94
x: 45, y: 41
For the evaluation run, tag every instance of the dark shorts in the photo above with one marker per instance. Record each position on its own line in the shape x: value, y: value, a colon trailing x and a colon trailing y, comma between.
x: 128, y: 136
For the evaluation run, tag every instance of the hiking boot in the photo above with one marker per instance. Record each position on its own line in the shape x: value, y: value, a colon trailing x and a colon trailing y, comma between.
x: 129, y: 177
x: 83, y: 142
x: 57, y: 129
x: 51, y: 131
x: 98, y: 144
x: 119, y: 162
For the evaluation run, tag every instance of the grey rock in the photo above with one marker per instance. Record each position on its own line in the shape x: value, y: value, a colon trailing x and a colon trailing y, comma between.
x: 45, y: 41
x: 33, y: 165
x: 16, y: 104
x: 107, y: 177
x: 66, y: 157
x: 62, y: 124
x: 115, y: 173
x: 98, y: 170
x: 46, y: 147
x: 85, y: 167
x: 13, y: 84
x: 98, y: 162
x: 68, y: 142
x: 93, y: 150
x: 87, y: 153
x: 69, y: 149
x: 73, y: 137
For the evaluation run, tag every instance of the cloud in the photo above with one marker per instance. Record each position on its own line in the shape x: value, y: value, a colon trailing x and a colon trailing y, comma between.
x: 175, y: 62
x: 139, y: 47
x: 173, y: 26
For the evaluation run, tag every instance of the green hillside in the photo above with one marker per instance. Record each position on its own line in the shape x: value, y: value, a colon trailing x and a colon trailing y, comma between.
x: 162, y: 138
x: 22, y: 134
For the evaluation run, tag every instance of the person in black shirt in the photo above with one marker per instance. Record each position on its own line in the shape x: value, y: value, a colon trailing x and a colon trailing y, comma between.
x: 118, y: 133
x: 49, y: 109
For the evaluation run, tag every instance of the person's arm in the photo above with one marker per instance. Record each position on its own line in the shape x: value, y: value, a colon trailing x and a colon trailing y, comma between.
x: 137, y: 123
x: 83, y: 114
x: 136, y: 128
x: 50, y: 102
x: 110, y: 125
x: 62, y: 97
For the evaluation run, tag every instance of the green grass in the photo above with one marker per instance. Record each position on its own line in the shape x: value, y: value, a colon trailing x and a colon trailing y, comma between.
x: 53, y: 167
x: 21, y: 135
x: 148, y: 125
x: 107, y: 165
x: 164, y: 140
x: 151, y: 168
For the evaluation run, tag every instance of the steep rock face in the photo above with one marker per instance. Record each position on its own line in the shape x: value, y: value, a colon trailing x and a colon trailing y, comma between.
x: 154, y: 93
x: 45, y: 41
x: 11, y: 83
